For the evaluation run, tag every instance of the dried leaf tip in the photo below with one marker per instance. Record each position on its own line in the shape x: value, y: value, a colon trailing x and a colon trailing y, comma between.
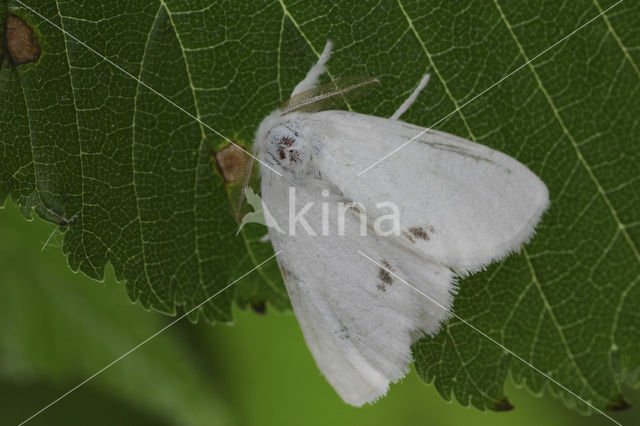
x: 502, y: 405
x: 618, y: 403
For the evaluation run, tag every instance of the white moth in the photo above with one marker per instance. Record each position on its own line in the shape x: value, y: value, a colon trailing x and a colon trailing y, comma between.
x: 461, y: 206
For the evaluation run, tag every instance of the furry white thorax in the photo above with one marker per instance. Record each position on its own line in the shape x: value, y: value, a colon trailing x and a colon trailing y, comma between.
x: 284, y: 144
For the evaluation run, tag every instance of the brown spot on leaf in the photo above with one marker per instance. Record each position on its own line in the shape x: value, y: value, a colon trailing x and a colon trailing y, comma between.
x: 419, y: 232
x: 20, y: 41
x: 233, y: 163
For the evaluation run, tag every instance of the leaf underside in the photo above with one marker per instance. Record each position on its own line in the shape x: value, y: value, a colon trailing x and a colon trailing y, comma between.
x: 131, y: 178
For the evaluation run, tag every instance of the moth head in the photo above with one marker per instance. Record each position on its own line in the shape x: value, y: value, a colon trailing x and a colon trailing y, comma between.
x: 284, y: 146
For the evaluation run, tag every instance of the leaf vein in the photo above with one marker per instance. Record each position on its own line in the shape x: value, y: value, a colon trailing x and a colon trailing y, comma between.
x: 288, y: 14
x: 133, y: 165
x: 615, y: 35
x: 435, y: 69
x: 556, y: 324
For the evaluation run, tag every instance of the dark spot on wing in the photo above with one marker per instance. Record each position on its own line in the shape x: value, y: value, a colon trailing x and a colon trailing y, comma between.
x: 385, y: 277
x: 387, y: 265
x: 458, y: 150
x: 408, y: 236
x: 343, y: 333
x: 20, y: 42
x: 420, y: 232
x: 233, y: 163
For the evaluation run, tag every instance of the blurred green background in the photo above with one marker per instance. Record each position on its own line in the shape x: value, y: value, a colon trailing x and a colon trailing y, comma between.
x: 57, y: 328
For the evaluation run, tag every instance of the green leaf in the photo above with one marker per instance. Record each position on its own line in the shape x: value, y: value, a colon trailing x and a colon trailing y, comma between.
x: 133, y: 173
x: 56, y: 329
